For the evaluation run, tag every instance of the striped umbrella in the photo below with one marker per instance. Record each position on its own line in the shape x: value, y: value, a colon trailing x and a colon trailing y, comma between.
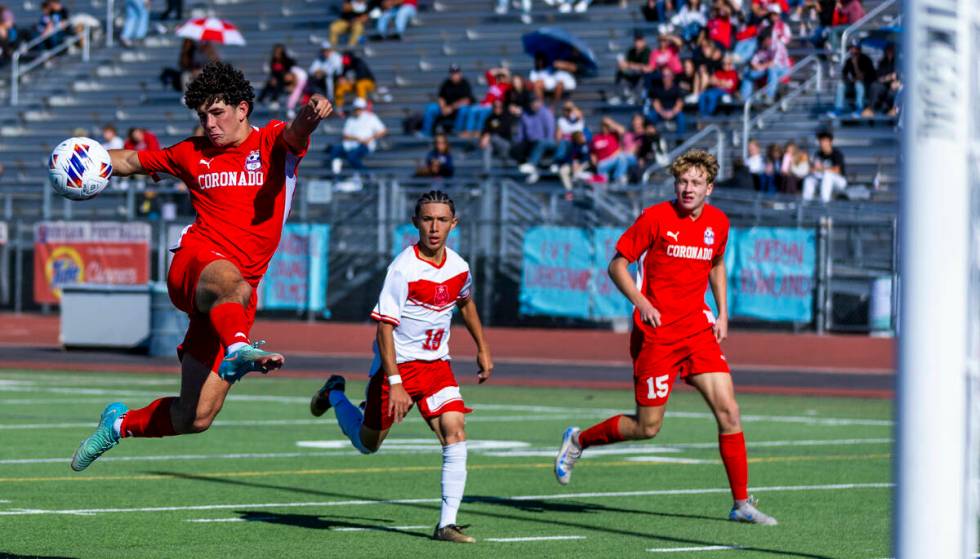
x: 211, y: 29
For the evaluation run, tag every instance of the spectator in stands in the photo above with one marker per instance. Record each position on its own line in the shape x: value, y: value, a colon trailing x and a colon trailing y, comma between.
x: 630, y: 66
x: 652, y: 149
x: 356, y: 76
x: 402, y: 11
x: 689, y: 82
x: 848, y: 12
x: 689, y: 20
x: 175, y: 7
x: 857, y: 77
x: 666, y: 103
x: 324, y: 70
x: 8, y: 33
x: 439, y: 161
x: 720, y: 30
x: 827, y: 170
x: 574, y: 163
x: 707, y: 59
x: 137, y: 22
x: 455, y: 95
x: 755, y: 163
x: 280, y: 67
x: 771, y: 62
x: 664, y: 57
x: 826, y: 10
x: 535, y: 136
x: 656, y: 10
x: 632, y: 141
x: 607, y: 154
x: 885, y: 86
x: 769, y: 182
x: 556, y: 78
x: 141, y: 139
x: 502, y: 6
x: 175, y: 77
x: 53, y: 23
x: 722, y: 88
x: 775, y: 25
x: 498, y: 84
x: 571, y: 121
x: 520, y: 96
x: 795, y: 167
x: 110, y: 138
x: 498, y: 133
x: 353, y: 16
x: 362, y: 130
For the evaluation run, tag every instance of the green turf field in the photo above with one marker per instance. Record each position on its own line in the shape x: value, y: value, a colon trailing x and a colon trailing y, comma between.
x: 268, y: 480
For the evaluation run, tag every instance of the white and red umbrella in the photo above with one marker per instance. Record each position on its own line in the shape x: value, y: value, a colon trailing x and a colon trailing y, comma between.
x: 211, y: 29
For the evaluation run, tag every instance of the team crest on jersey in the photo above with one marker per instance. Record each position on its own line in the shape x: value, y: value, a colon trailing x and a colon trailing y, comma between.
x: 441, y: 297
x: 254, y: 161
x: 709, y: 236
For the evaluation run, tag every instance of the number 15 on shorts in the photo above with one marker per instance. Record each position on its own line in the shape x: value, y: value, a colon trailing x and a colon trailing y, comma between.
x: 658, y: 387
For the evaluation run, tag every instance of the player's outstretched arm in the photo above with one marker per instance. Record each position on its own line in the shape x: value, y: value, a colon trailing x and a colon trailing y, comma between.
x: 297, y: 135
x: 467, y: 310
x: 620, y: 274
x: 398, y: 400
x: 718, y: 278
x: 125, y: 162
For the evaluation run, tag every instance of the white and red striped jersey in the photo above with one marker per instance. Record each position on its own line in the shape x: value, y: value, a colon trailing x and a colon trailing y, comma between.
x: 418, y: 298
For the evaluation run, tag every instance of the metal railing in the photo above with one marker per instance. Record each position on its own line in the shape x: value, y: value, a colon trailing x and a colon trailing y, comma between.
x: 859, y: 25
x: 691, y: 142
x: 17, y: 70
x: 814, y: 81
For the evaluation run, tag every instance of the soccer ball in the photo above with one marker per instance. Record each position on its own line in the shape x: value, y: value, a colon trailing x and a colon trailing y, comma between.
x: 79, y: 168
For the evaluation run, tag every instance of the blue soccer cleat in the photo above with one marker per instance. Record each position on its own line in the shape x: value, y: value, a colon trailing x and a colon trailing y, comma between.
x: 248, y: 359
x: 101, y: 440
x: 745, y: 511
x: 568, y: 454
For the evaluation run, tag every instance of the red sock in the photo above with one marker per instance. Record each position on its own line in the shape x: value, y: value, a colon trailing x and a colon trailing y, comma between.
x: 229, y: 321
x: 606, y: 432
x: 151, y: 421
x: 732, y: 447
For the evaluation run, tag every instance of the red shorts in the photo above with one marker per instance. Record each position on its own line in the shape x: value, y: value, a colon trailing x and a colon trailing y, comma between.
x: 201, y: 341
x: 431, y: 384
x: 657, y: 364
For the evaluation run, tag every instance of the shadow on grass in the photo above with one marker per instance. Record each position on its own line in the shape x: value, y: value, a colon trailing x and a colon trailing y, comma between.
x: 5, y: 555
x: 539, y: 506
x: 568, y: 506
x: 318, y: 522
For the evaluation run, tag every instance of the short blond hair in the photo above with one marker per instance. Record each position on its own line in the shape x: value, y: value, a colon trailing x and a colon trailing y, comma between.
x: 696, y: 158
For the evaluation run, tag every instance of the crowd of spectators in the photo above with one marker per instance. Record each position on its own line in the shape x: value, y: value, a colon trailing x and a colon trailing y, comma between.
x: 789, y: 169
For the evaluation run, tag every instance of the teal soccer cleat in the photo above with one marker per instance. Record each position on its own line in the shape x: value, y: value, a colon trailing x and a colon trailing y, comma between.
x: 745, y: 511
x: 248, y: 359
x: 101, y: 440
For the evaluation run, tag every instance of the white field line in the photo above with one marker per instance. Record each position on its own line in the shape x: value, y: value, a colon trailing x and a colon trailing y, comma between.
x: 400, y: 447
x: 685, y: 549
x: 671, y: 460
x: 533, y: 539
x: 373, y: 502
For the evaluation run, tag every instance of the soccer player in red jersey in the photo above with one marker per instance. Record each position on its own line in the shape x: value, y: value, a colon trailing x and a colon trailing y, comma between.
x: 241, y: 180
x: 680, y: 246
x: 411, y: 355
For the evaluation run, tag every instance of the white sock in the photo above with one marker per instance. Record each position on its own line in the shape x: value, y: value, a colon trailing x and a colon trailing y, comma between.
x: 117, y: 425
x: 235, y: 347
x: 453, y: 481
x: 349, y: 417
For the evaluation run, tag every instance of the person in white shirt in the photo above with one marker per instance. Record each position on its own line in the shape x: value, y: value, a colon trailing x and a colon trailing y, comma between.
x: 324, y: 70
x: 423, y: 286
x: 110, y: 138
x: 362, y: 130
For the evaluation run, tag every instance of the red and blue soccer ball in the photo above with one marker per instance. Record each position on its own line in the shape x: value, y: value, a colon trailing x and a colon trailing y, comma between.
x: 79, y: 168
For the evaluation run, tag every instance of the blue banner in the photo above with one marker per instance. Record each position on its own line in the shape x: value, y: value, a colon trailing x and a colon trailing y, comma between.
x: 773, y: 274
x: 608, y: 303
x: 406, y: 235
x: 557, y: 275
x: 297, y: 275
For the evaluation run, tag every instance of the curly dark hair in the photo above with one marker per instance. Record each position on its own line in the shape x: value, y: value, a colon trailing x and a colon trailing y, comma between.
x: 219, y: 81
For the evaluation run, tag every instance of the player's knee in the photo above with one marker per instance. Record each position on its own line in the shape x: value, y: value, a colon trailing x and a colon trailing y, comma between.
x: 729, y: 417
x: 201, y: 424
x: 650, y: 429
x: 453, y: 437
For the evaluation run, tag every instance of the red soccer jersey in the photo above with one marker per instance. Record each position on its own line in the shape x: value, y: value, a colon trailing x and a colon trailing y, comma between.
x: 676, y: 257
x: 241, y: 194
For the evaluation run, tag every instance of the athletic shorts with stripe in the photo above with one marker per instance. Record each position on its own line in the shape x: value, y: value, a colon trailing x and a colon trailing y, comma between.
x: 201, y: 341
x: 430, y: 384
x: 656, y: 364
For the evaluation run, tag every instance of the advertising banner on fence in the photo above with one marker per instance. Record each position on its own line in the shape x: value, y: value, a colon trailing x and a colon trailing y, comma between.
x: 297, y: 275
x: 773, y: 274
x: 73, y: 252
x: 557, y: 275
x: 608, y: 302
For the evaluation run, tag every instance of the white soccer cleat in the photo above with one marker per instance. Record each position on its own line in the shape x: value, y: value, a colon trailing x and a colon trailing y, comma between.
x: 746, y: 512
x: 568, y: 455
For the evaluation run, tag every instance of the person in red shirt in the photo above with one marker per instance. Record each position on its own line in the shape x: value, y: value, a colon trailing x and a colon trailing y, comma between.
x: 141, y: 139
x: 241, y: 180
x: 680, y: 247
x: 724, y: 82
